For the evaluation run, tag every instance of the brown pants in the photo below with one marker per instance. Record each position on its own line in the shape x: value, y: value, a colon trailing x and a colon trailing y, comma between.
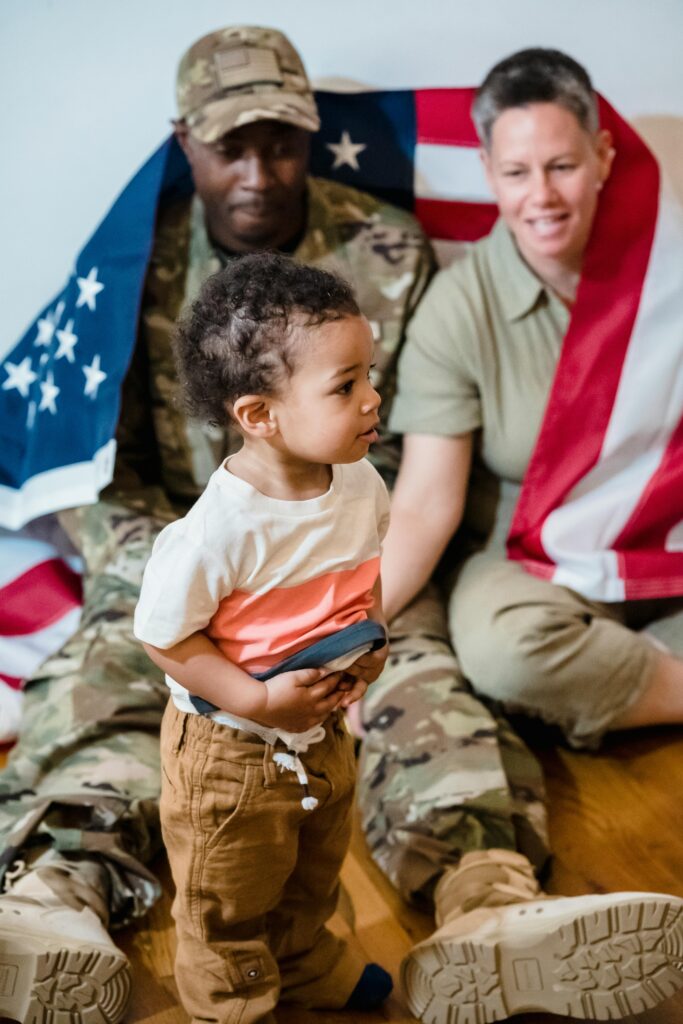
x: 256, y: 875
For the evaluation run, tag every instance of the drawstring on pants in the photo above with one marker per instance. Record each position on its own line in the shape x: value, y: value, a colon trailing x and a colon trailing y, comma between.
x: 290, y: 762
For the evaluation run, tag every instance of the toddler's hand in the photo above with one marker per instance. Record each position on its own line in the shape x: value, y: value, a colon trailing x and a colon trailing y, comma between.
x: 297, y: 701
x: 369, y: 666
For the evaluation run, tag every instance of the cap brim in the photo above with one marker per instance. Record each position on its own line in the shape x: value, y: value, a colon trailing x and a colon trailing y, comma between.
x: 222, y: 116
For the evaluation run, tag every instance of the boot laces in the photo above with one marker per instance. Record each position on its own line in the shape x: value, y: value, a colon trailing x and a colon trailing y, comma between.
x: 491, y: 878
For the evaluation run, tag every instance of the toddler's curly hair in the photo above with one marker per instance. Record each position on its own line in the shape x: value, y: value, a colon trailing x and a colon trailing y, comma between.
x: 241, y: 337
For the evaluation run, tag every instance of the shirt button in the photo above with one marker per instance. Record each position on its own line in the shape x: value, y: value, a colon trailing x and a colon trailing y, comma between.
x: 253, y: 973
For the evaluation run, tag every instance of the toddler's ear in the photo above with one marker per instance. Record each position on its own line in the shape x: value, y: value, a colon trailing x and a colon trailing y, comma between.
x: 254, y: 417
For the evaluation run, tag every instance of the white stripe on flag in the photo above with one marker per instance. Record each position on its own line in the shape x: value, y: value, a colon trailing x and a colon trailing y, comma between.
x: 64, y: 487
x: 646, y: 411
x: 20, y: 553
x: 450, y: 172
x: 20, y: 656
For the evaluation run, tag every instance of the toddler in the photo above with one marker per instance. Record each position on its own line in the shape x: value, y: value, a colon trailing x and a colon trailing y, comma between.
x: 252, y: 604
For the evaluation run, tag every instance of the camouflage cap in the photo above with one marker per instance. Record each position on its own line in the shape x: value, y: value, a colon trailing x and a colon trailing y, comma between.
x: 242, y: 74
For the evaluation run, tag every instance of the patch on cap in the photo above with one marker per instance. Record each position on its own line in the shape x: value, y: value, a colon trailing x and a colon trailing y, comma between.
x: 247, y: 65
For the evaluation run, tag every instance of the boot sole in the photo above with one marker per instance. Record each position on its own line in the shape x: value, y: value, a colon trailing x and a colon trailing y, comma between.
x: 602, y: 965
x: 48, y: 982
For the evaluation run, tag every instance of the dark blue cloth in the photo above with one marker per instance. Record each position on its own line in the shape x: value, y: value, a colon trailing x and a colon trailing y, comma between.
x: 352, y: 638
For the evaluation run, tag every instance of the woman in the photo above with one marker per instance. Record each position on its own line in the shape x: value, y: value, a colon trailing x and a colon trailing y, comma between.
x: 473, y: 405
x: 475, y: 377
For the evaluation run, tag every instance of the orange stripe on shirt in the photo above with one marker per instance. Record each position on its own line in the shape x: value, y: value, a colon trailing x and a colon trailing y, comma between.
x: 257, y: 630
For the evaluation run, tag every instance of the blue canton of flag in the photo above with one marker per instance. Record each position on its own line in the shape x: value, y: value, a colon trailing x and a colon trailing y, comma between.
x: 59, y: 399
x: 367, y: 140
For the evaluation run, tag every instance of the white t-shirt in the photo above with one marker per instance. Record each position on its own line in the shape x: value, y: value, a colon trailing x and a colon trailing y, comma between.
x: 262, y: 577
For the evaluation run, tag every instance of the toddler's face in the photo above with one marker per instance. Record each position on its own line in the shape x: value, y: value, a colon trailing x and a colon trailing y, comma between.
x: 327, y: 412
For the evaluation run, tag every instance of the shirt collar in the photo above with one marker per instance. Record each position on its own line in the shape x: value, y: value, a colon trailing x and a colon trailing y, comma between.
x: 518, y: 286
x: 208, y: 253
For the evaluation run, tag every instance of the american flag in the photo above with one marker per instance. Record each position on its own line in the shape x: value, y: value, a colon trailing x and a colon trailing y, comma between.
x: 59, y: 400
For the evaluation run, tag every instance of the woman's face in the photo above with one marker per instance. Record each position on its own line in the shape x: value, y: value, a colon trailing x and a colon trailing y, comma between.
x: 546, y: 172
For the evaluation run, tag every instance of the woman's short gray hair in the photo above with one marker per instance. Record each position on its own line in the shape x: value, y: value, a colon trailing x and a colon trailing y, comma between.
x: 534, y: 76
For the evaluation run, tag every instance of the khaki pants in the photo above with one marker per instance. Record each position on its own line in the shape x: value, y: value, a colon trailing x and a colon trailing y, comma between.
x: 546, y: 651
x: 256, y: 875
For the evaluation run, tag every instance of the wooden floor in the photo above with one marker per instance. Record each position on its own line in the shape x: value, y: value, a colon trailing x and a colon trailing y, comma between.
x: 616, y: 822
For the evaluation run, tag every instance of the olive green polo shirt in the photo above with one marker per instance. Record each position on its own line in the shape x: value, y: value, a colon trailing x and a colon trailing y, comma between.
x: 480, y: 356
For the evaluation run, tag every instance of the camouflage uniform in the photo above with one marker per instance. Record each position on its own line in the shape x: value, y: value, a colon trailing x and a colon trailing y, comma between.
x: 439, y: 775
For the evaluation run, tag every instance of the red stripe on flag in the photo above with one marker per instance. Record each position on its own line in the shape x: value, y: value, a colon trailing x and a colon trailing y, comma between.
x: 442, y: 117
x: 39, y: 597
x: 642, y: 542
x: 595, y: 345
x: 455, y: 221
x: 11, y: 681
x: 651, y: 574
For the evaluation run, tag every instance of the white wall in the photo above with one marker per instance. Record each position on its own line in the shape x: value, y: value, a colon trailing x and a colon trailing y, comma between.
x: 87, y: 89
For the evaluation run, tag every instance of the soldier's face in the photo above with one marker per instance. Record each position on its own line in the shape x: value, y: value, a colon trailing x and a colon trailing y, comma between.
x: 252, y: 183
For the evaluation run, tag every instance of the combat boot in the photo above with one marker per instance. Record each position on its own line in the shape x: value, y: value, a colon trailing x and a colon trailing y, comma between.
x: 57, y: 962
x: 503, y: 947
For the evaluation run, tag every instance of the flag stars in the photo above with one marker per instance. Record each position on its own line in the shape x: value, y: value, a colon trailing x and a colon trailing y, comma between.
x: 46, y: 330
x: 89, y: 289
x: 93, y: 377
x: 345, y: 152
x: 49, y: 392
x: 20, y: 376
x: 47, y: 324
x: 67, y: 342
